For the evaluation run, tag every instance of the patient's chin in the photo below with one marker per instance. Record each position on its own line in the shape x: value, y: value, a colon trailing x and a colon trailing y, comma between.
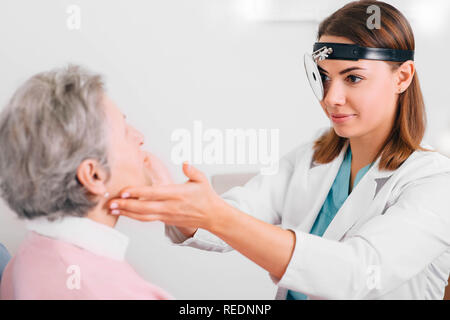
x: 147, y: 179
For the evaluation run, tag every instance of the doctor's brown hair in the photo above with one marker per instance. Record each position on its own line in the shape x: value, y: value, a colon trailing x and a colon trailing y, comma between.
x: 410, y: 119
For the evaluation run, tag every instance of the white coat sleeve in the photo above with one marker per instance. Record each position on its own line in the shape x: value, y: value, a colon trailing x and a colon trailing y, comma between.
x: 387, y: 251
x: 262, y: 197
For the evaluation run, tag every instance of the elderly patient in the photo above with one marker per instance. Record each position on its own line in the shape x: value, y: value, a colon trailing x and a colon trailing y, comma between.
x: 65, y: 150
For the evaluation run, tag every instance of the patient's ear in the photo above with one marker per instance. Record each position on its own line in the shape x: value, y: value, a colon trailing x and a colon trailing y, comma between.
x: 92, y: 176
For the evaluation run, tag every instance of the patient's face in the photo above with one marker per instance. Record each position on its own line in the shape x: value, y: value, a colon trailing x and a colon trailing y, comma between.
x: 126, y: 159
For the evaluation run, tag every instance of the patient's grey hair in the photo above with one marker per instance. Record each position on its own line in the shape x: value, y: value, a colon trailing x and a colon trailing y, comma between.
x: 52, y: 123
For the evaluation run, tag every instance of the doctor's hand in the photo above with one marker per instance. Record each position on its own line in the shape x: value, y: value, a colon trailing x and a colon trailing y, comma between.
x: 158, y: 174
x: 188, y: 206
x: 195, y: 204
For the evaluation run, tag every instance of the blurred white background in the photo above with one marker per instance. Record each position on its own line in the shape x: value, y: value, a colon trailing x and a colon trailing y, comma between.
x: 230, y: 64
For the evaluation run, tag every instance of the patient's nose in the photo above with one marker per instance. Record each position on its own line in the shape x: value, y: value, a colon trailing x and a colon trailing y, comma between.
x: 138, y: 135
x: 140, y: 138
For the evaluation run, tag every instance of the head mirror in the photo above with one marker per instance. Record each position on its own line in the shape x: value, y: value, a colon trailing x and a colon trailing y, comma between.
x: 342, y: 51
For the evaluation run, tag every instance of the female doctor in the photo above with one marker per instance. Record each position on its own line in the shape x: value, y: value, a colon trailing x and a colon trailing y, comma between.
x: 362, y: 211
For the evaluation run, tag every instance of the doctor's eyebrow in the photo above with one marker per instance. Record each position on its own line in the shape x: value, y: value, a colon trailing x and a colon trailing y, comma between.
x: 343, y: 71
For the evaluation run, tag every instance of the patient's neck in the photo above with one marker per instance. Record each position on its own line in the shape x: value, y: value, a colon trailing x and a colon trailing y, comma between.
x: 100, y: 214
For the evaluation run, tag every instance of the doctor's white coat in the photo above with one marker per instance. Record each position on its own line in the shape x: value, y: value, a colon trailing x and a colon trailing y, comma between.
x: 389, y: 240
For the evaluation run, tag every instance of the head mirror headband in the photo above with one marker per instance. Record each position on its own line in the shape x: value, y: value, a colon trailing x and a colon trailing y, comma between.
x: 341, y: 51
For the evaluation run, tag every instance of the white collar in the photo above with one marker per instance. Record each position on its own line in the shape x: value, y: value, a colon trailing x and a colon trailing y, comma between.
x: 85, y: 233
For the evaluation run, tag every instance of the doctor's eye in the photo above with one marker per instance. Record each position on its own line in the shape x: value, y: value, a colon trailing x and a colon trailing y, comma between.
x: 354, y: 79
x: 324, y: 77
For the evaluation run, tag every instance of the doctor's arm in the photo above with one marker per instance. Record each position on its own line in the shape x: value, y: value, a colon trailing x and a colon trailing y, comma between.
x: 196, y: 205
x: 386, y: 246
x: 267, y: 245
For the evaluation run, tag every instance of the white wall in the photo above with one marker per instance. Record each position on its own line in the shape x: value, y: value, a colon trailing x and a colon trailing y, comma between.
x: 170, y: 62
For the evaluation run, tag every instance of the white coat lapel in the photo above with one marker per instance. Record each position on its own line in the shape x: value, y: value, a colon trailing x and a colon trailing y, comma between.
x: 360, y: 202
x: 319, y: 179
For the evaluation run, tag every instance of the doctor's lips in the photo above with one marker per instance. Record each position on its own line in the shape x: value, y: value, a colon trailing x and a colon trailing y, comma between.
x: 341, y: 117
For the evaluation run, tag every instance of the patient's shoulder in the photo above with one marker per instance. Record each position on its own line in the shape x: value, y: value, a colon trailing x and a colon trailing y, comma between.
x: 46, y: 268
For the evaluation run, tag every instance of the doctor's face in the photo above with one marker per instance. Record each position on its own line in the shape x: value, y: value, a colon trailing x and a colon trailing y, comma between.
x: 359, y: 96
x: 125, y: 157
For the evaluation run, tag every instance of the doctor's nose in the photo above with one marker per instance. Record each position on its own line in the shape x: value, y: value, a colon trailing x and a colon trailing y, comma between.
x: 334, y: 94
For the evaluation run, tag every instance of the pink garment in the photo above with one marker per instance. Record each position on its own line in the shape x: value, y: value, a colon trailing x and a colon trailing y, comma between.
x: 41, y: 270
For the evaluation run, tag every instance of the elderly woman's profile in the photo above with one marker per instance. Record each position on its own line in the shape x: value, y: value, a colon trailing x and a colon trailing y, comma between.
x: 66, y: 149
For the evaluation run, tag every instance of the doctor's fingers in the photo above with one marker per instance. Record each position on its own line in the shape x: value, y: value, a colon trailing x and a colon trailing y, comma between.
x: 165, y: 218
x: 143, y: 207
x: 159, y: 192
x: 140, y: 217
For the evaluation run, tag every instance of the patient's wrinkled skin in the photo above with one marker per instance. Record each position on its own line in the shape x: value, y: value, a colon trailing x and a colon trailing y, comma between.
x: 125, y: 156
x: 128, y: 163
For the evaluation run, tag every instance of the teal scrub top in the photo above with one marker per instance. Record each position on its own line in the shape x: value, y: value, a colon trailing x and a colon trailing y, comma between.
x: 335, y: 199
